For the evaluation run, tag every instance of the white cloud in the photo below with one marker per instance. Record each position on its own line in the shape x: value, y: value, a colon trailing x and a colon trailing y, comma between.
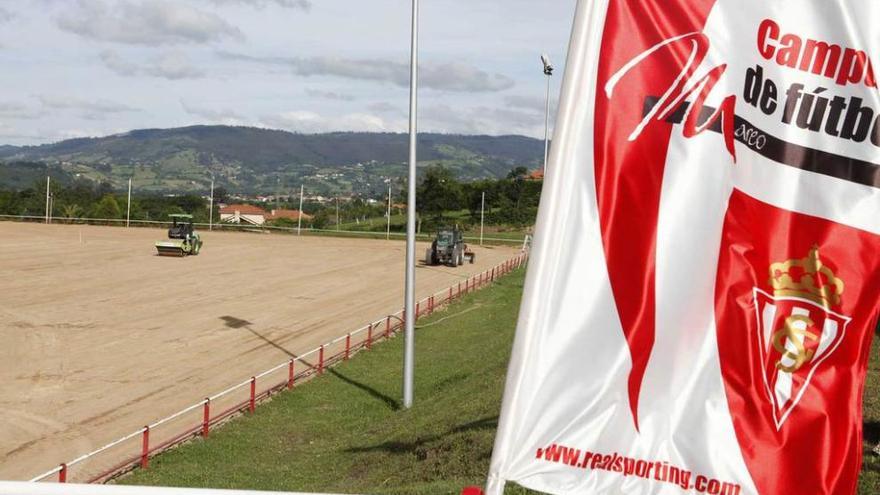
x: 533, y: 103
x: 480, y: 120
x: 143, y: 22
x: 119, y: 64
x: 17, y: 111
x: 308, y: 122
x: 385, y: 107
x: 290, y: 4
x: 172, y: 64
x: 87, y: 109
x: 223, y: 116
x: 329, y: 95
x: 5, y: 15
x: 452, y: 76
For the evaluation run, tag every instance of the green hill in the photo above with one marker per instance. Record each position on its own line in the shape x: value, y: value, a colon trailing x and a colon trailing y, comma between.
x: 256, y: 160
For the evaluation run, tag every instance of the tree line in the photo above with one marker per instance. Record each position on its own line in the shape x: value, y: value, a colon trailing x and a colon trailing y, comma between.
x: 442, y: 199
x: 86, y: 199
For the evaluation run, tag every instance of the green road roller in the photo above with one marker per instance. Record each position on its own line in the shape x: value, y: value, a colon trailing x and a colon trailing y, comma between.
x: 182, y: 239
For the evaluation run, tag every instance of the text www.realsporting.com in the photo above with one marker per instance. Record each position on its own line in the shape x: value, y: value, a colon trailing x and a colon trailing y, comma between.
x: 628, y: 466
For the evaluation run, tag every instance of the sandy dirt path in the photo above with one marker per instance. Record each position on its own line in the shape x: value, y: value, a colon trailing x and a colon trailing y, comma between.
x: 98, y: 336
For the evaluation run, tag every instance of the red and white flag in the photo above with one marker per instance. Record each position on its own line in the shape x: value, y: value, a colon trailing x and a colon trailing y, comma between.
x: 705, y: 279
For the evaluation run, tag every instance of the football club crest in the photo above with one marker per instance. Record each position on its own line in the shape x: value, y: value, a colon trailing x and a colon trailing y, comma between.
x: 798, y: 328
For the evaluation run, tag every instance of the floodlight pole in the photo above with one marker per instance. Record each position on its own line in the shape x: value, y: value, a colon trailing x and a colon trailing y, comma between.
x: 482, y: 216
x: 211, y: 207
x: 299, y: 220
x: 48, y: 182
x: 388, y: 214
x: 337, y: 213
x: 410, y: 301
x: 548, y: 71
x: 128, y: 205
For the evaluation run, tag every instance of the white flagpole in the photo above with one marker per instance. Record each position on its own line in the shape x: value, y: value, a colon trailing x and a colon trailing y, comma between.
x: 48, y: 182
x: 410, y: 299
x: 211, y: 206
x: 299, y: 220
x: 388, y: 214
x: 128, y: 205
x: 482, y: 215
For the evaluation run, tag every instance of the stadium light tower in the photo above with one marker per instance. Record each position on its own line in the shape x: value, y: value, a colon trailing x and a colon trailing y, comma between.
x: 410, y: 278
x: 548, y: 71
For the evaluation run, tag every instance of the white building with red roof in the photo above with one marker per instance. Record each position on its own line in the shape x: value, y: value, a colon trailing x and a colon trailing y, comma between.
x: 243, y: 213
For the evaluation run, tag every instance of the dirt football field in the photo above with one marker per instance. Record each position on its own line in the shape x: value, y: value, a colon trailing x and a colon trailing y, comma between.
x: 98, y: 336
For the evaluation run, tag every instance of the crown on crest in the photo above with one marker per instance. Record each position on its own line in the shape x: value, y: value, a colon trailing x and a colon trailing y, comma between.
x: 807, y: 278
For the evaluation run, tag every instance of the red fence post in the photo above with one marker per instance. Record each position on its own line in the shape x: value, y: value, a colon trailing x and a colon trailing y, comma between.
x: 145, y: 448
x: 459, y: 289
x: 493, y: 274
x: 321, y: 360
x: 417, y: 309
x: 253, y: 404
x: 387, y: 326
x: 370, y: 336
x: 347, y: 346
x: 430, y: 304
x: 449, y: 297
x: 290, y: 375
x: 206, y: 418
x: 62, y: 475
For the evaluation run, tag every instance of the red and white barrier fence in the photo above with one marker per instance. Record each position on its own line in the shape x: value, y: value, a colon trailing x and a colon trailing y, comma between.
x: 136, y: 448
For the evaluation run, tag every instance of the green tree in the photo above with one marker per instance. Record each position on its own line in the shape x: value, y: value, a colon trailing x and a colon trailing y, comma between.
x: 107, y: 207
x: 71, y: 210
x: 439, y: 191
x: 518, y: 173
x: 321, y: 219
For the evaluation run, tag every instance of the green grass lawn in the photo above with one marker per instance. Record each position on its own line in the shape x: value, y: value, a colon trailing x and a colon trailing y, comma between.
x: 345, y: 432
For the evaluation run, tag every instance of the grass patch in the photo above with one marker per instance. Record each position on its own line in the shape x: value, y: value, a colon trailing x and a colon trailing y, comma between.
x: 344, y: 432
x: 869, y: 481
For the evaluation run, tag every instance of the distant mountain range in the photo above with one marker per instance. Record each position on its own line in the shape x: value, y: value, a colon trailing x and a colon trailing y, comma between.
x: 261, y: 161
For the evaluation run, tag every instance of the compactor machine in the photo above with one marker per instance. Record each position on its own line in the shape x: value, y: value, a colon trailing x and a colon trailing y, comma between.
x: 182, y: 239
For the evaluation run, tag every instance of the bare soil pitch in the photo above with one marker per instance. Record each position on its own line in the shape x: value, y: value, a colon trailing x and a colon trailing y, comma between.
x: 99, y: 336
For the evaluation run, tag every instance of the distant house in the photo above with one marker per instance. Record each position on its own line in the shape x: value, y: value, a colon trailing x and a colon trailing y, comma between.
x: 242, y: 213
x: 291, y: 214
x: 536, y: 175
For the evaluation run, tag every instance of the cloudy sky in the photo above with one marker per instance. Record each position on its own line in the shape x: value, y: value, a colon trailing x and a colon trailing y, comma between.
x: 74, y: 68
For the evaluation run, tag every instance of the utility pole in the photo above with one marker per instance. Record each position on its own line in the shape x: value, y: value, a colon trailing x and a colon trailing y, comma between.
x: 388, y: 228
x: 48, y: 183
x: 482, y: 215
x: 128, y: 205
x: 410, y: 278
x: 299, y: 220
x: 337, y: 213
x: 211, y: 206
